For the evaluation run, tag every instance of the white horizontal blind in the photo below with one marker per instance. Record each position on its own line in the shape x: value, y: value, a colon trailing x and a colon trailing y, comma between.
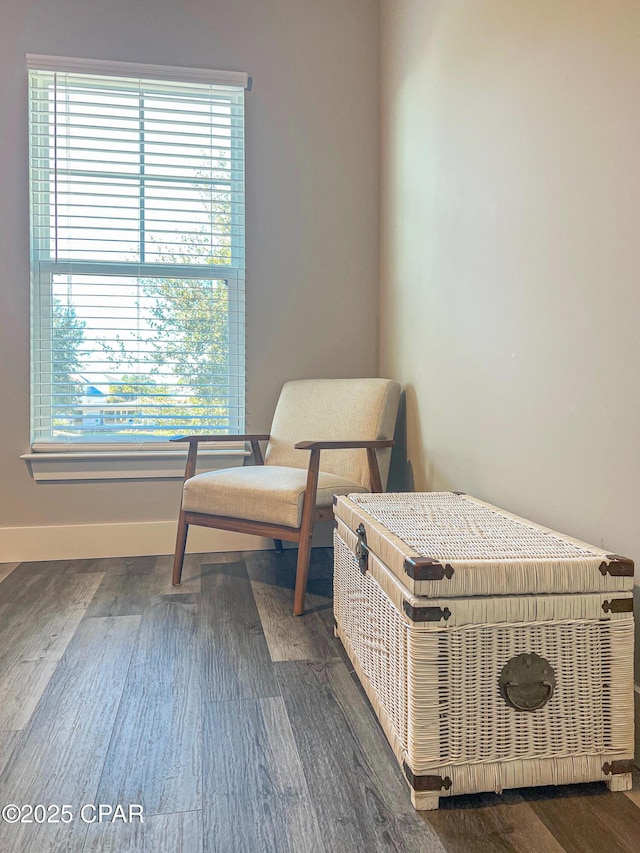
x: 137, y: 212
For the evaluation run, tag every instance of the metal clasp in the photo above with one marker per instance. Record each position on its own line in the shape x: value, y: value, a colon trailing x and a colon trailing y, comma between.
x: 362, y: 551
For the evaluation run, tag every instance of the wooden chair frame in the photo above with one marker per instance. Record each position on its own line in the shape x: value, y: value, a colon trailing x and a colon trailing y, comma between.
x: 310, y: 512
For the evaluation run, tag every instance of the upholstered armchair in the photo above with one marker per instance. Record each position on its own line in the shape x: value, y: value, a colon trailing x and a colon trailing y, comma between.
x: 328, y: 437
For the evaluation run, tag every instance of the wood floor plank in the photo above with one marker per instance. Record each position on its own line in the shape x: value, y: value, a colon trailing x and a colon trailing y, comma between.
x: 41, y: 625
x: 128, y: 588
x: 360, y: 804
x: 587, y: 818
x: 50, y: 568
x: 634, y: 796
x: 34, y: 634
x: 488, y: 823
x: 121, y: 595
x: 191, y: 575
x: 6, y: 569
x: 177, y: 833
x: 354, y: 706
x: 235, y: 657
x: 99, y: 565
x: 255, y: 794
x: 133, y: 565
x: 27, y: 582
x: 60, y: 755
x: 634, y: 793
x: 288, y: 637
x: 8, y: 744
x: 154, y: 758
x: 321, y: 583
x: 21, y: 687
x: 283, y: 755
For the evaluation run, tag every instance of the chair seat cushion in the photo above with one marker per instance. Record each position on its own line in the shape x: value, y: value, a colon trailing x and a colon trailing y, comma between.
x: 270, y: 493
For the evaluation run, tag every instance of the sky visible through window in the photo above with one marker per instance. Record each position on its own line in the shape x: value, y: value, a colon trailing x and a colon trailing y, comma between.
x: 136, y: 189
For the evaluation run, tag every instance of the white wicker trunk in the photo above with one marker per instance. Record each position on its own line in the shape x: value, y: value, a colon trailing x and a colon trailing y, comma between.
x: 496, y: 653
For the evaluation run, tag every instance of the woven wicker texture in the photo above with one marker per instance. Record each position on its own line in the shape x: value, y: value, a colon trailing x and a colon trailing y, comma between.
x: 447, y: 715
x: 370, y: 620
x: 495, y: 776
x: 492, y: 552
x: 485, y: 609
x: 452, y: 528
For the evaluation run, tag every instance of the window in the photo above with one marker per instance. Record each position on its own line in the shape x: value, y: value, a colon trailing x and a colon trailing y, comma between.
x: 137, y: 253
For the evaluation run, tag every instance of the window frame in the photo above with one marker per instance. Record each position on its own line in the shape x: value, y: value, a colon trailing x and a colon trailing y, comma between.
x: 44, y: 267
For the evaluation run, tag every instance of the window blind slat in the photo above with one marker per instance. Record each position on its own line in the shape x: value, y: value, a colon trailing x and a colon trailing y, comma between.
x: 137, y: 206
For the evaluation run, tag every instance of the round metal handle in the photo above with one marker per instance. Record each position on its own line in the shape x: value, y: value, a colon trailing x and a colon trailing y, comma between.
x: 527, y: 682
x: 531, y: 698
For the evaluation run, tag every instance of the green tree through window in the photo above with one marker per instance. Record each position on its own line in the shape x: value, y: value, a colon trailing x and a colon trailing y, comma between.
x: 137, y: 188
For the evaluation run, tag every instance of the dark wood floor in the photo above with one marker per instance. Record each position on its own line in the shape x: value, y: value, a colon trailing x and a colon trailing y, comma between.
x: 235, y: 726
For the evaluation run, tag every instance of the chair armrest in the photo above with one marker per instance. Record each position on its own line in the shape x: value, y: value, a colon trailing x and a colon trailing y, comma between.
x: 225, y: 437
x: 195, y: 440
x: 342, y: 445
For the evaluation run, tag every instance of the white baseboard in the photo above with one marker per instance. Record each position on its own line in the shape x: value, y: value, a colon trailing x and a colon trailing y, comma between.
x: 136, y: 539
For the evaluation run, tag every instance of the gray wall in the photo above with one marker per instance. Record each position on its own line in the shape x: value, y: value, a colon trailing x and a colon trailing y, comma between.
x: 312, y: 202
x: 511, y: 259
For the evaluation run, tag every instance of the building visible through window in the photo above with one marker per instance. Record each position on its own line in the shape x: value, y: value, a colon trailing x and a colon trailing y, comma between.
x: 137, y: 212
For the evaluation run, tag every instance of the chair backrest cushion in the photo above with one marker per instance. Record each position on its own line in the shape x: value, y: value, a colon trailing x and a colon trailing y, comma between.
x: 334, y: 410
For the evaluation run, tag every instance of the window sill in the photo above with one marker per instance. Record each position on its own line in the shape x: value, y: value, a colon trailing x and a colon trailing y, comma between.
x: 60, y: 466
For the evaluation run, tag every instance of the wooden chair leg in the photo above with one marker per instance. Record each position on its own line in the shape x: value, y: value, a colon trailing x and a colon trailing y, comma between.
x: 306, y: 533
x: 183, y: 527
x: 302, y: 572
x: 278, y: 545
x: 181, y: 544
